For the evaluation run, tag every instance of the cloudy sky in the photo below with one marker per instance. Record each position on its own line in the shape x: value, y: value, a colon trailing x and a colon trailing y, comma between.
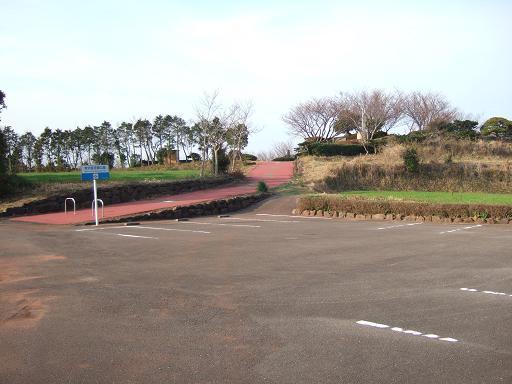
x: 72, y: 63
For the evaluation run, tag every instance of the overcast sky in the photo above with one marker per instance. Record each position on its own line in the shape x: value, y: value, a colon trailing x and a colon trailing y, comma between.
x: 72, y: 63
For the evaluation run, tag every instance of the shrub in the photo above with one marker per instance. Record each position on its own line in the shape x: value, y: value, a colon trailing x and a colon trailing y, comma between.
x: 406, y: 208
x: 262, y: 187
x: 249, y: 157
x: 331, y: 149
x: 285, y: 158
x: 411, y: 160
x: 497, y: 127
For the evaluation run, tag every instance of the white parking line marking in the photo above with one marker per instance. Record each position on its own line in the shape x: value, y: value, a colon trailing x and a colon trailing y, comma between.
x: 409, y: 332
x: 140, y: 237
x: 295, y: 217
x: 460, y: 229
x: 261, y: 220
x: 487, y: 292
x: 167, y: 229
x: 399, y: 226
x: 372, y: 324
x: 142, y: 227
x: 227, y: 225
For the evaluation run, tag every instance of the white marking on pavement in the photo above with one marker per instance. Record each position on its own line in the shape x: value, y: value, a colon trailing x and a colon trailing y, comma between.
x: 372, y: 324
x: 262, y: 220
x: 460, y: 229
x: 487, y: 292
x: 168, y: 201
x: 88, y: 229
x: 398, y: 226
x: 167, y: 229
x: 431, y: 336
x: 295, y: 217
x: 140, y: 237
x: 227, y: 225
x: 409, y: 332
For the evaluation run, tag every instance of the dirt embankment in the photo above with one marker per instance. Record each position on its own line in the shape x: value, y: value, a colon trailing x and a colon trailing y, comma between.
x: 451, y: 166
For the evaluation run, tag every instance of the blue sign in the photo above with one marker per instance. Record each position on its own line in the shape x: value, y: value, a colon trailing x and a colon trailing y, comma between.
x: 95, y: 172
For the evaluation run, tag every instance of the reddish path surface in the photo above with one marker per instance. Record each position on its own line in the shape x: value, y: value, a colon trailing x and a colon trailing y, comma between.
x: 273, y: 173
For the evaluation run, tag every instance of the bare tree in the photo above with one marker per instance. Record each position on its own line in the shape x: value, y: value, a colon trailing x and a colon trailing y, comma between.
x: 206, y: 110
x: 279, y: 149
x: 314, y: 120
x: 423, y: 109
x: 371, y: 112
x: 238, y: 130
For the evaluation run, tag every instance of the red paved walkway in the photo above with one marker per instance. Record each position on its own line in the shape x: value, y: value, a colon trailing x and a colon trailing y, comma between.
x: 273, y: 173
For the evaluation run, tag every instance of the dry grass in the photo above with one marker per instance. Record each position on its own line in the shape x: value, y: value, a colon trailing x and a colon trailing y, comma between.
x: 448, y: 166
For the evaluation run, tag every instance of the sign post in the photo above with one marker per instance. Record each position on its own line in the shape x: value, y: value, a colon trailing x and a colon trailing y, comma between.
x: 95, y: 172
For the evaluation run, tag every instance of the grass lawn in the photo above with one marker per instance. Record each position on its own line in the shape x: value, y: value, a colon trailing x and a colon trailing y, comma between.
x: 437, y: 197
x: 115, y: 175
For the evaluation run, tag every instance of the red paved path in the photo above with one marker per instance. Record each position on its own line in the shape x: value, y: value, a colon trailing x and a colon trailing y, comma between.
x: 273, y: 173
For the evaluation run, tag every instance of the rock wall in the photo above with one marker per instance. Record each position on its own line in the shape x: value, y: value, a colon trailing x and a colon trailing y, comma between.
x: 113, y: 194
x: 214, y: 207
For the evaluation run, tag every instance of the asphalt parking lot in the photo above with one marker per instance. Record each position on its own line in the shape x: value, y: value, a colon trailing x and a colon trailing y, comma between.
x: 257, y: 297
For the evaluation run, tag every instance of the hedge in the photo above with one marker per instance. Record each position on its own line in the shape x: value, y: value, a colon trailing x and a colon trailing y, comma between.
x: 331, y: 149
x: 406, y: 208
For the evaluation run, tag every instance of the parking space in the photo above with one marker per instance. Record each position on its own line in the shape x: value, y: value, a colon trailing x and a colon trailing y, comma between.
x: 263, y: 297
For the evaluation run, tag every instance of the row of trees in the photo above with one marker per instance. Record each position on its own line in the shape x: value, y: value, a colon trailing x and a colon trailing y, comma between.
x: 217, y: 131
x: 369, y: 113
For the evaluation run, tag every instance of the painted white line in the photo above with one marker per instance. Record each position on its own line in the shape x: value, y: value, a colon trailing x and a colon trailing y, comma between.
x: 460, y: 229
x: 168, y: 201
x: 408, y: 331
x: 372, y: 324
x: 139, y: 237
x: 487, y: 292
x: 88, y: 229
x: 166, y: 229
x: 261, y: 220
x: 295, y: 217
x: 451, y: 340
x: 226, y: 225
x: 399, y: 226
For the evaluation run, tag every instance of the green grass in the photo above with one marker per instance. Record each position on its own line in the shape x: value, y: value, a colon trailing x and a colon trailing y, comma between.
x: 116, y: 175
x: 291, y: 188
x: 437, y: 197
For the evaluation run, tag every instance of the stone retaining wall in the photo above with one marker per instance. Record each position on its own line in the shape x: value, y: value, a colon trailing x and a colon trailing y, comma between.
x: 214, y: 207
x: 399, y: 217
x: 113, y: 194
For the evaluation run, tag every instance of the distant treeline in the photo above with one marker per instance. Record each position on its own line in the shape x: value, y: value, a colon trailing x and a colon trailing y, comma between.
x: 130, y: 144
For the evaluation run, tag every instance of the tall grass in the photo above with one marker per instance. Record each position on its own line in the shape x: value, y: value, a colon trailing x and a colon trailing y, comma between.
x: 453, y: 177
x: 450, y: 165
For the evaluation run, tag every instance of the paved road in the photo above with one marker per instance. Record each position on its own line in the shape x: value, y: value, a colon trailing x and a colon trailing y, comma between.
x: 259, y: 297
x: 273, y: 173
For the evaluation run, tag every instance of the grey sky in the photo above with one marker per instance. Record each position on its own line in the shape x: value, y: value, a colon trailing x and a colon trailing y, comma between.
x: 72, y: 63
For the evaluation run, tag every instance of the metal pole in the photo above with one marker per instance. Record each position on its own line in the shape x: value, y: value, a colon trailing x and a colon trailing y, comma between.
x: 95, y: 202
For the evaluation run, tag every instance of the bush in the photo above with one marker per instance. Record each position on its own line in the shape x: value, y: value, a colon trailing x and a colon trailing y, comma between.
x: 406, y: 208
x: 497, y: 127
x: 411, y: 160
x: 285, y: 158
x: 12, y: 184
x: 332, y: 149
x: 249, y: 157
x: 262, y: 187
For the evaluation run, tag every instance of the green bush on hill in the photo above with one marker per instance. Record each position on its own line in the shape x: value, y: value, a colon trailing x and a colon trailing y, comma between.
x: 333, y: 149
